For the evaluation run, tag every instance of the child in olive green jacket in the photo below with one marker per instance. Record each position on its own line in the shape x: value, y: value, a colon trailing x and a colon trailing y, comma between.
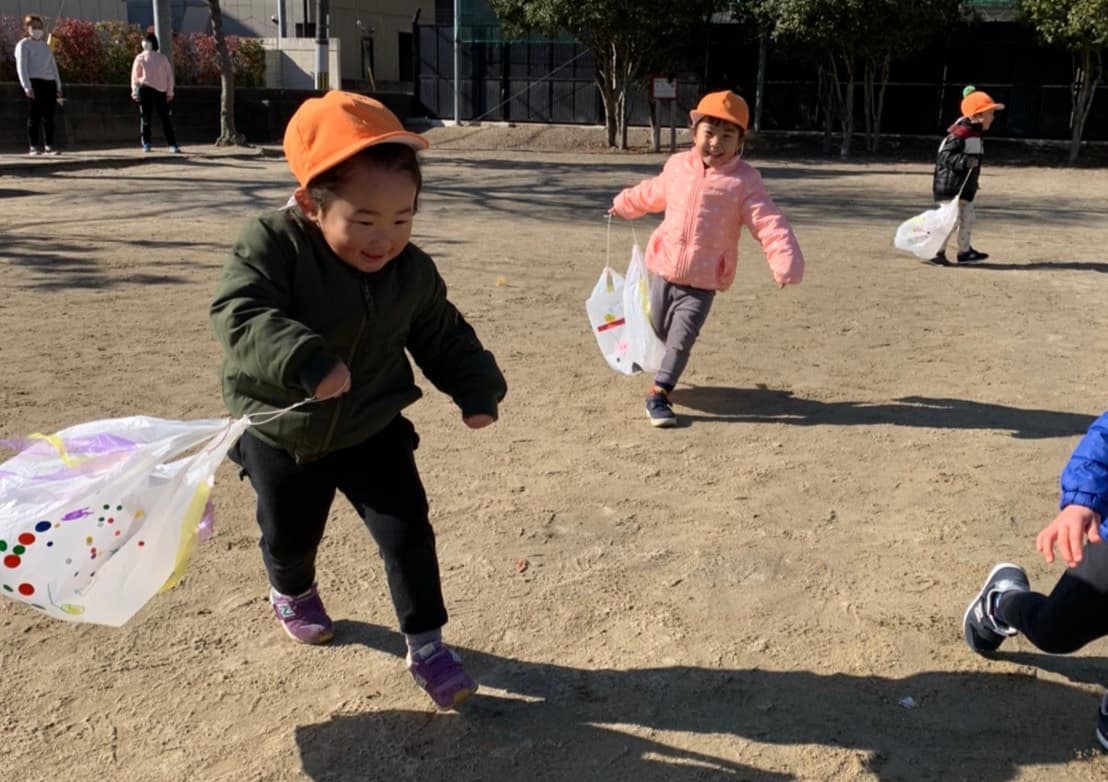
x: 322, y: 300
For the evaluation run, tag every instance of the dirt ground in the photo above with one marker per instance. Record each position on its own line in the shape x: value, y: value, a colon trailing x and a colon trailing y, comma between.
x: 751, y: 596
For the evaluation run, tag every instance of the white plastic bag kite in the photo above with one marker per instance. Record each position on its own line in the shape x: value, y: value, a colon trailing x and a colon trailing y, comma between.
x: 925, y: 234
x: 98, y: 518
x: 619, y: 313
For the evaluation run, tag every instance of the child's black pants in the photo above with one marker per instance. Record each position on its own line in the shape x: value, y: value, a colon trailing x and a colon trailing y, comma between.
x: 1075, y: 612
x: 380, y: 479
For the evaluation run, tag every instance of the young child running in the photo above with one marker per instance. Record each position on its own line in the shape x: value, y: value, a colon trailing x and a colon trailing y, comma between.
x: 708, y: 194
x: 958, y: 168
x: 322, y: 300
x: 1076, y: 611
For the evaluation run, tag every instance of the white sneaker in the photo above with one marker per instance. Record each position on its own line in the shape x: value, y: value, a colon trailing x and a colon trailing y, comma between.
x: 35, y: 152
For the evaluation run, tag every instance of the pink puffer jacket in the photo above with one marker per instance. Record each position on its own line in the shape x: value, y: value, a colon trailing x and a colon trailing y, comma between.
x: 706, y: 208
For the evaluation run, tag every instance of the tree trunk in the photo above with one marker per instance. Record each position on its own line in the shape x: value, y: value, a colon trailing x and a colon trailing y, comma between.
x: 826, y: 101
x: 844, y: 99
x: 875, y: 81
x: 880, y: 113
x: 1086, y: 78
x: 760, y: 88
x: 228, y: 136
x: 868, y: 100
x: 606, y: 75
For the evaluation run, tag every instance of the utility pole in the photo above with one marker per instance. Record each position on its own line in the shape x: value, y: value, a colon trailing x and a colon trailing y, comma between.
x: 322, y: 82
x: 163, y: 28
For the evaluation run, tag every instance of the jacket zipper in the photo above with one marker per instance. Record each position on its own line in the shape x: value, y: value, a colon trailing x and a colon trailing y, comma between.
x: 367, y: 299
x: 694, y: 208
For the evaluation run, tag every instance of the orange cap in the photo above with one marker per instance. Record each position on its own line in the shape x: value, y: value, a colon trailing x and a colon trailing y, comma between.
x: 724, y: 105
x: 978, y: 102
x: 325, y: 131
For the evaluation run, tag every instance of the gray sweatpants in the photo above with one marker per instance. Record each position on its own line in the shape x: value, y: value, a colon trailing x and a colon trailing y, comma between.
x: 966, y: 216
x: 677, y: 312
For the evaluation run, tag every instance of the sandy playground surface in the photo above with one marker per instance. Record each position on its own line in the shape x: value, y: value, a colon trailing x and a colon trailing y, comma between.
x: 751, y: 596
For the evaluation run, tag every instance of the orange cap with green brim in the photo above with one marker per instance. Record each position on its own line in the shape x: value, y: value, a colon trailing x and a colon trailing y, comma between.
x: 724, y: 105
x: 325, y: 131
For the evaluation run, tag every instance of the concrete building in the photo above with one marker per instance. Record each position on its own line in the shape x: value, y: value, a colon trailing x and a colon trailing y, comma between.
x: 77, y: 9
x: 374, y: 36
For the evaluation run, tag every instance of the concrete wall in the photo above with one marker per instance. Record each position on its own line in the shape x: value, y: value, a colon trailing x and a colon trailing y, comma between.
x: 104, y: 115
x: 290, y: 63
x: 96, y: 10
x: 387, y: 19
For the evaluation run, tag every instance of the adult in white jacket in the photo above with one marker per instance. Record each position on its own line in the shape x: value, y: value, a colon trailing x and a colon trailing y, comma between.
x: 38, y: 76
x: 152, y: 88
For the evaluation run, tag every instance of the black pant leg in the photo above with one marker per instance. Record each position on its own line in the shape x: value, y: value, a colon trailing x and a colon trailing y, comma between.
x: 382, y: 482
x: 49, y: 102
x: 146, y: 111
x: 1075, y: 613
x: 161, y: 103
x: 293, y: 503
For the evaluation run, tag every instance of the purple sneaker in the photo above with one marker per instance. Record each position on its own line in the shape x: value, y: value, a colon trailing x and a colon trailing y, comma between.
x: 438, y: 670
x: 303, y: 617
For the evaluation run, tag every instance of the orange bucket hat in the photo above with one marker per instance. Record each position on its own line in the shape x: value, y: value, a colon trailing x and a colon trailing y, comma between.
x: 325, y: 131
x: 724, y: 105
x: 977, y: 102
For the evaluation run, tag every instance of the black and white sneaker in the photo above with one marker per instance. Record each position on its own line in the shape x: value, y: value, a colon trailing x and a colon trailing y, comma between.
x: 982, y: 630
x: 938, y: 260
x: 1102, y: 723
x: 659, y: 411
x: 972, y: 256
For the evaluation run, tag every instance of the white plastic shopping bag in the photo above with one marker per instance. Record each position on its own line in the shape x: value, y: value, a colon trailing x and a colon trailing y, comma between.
x: 925, y: 234
x: 605, y: 309
x: 644, y: 347
x: 98, y: 518
x: 619, y: 313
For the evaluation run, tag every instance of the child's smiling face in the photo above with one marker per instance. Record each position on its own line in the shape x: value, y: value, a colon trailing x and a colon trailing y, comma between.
x: 368, y: 222
x: 717, y: 142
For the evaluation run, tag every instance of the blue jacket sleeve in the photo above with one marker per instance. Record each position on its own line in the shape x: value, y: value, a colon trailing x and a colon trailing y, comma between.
x: 1085, y: 479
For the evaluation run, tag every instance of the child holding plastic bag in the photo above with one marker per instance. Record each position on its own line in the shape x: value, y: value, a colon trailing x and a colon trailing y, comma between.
x: 1076, y: 611
x: 708, y: 194
x: 958, y: 168
x: 322, y: 300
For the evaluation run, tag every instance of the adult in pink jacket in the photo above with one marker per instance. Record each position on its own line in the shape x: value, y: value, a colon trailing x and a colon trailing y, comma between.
x: 152, y: 89
x: 708, y: 194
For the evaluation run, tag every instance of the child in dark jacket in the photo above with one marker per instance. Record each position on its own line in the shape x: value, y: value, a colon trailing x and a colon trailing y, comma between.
x: 958, y: 168
x: 321, y: 300
x: 1076, y: 611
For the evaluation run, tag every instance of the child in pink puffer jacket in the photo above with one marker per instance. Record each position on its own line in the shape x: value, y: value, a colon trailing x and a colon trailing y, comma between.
x: 708, y: 194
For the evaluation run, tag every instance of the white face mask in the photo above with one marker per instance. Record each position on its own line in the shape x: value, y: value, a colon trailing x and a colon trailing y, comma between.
x: 37, y: 33
x: 147, y: 46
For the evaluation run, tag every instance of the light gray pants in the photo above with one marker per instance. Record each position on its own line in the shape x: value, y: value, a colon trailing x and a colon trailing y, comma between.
x: 966, y: 216
x: 677, y: 312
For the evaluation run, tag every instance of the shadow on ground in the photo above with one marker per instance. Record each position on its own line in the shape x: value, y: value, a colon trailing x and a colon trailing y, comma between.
x: 761, y: 404
x: 551, y: 722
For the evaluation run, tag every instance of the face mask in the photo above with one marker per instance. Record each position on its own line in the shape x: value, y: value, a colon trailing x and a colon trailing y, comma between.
x: 36, y: 33
x: 147, y: 46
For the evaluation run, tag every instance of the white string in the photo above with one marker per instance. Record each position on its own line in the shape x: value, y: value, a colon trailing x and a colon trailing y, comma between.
x: 608, y: 250
x: 256, y: 419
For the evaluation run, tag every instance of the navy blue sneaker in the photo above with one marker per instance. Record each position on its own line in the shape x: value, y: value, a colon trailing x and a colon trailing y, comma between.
x: 972, y: 256
x: 938, y: 260
x: 659, y: 410
x: 983, y: 631
x: 1102, y: 723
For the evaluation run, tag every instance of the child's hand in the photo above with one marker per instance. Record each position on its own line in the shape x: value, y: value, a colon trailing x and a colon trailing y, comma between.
x: 478, y: 421
x: 335, y: 384
x: 1068, y: 530
x: 974, y: 162
x: 612, y: 212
